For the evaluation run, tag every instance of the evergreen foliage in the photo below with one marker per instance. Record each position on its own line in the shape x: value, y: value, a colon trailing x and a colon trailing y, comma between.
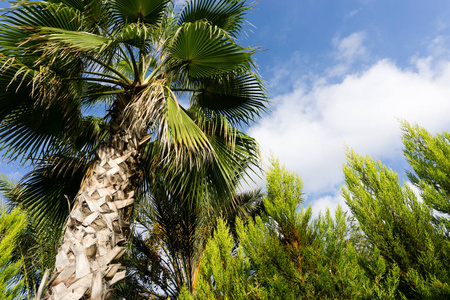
x: 429, y: 156
x: 12, y: 225
x: 395, y: 245
x: 283, y: 254
x: 411, y: 257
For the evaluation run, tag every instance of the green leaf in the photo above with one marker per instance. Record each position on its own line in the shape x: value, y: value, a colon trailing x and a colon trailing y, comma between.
x: 44, y: 14
x: 24, y: 20
x: 225, y: 14
x: 48, y: 192
x: 202, y: 50
x: 241, y: 98
x: 77, y: 40
x: 134, y: 11
x: 183, y: 130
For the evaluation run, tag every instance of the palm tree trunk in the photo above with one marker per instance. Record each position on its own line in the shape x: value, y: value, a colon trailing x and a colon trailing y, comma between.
x: 87, y: 263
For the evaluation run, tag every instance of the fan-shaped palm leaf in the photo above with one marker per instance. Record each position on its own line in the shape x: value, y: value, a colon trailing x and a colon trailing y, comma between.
x: 225, y: 14
x: 202, y: 50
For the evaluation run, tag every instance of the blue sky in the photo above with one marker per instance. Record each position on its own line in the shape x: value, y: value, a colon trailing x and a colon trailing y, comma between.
x: 341, y: 74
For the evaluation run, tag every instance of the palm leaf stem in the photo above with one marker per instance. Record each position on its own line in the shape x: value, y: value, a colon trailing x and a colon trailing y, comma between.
x: 133, y: 62
x: 141, y: 70
x: 187, y: 90
x: 152, y: 75
x: 101, y: 75
x: 109, y: 68
x: 104, y: 80
x: 126, y: 58
x: 106, y: 93
x: 197, y: 269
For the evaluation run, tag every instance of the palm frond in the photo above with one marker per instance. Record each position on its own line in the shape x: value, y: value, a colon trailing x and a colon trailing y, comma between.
x: 238, y: 97
x: 202, y: 50
x: 47, y: 193
x: 135, y: 11
x: 235, y: 154
x: 182, y: 130
x: 24, y: 20
x: 134, y: 34
x: 29, y: 129
x: 225, y: 14
x: 96, y: 94
x: 7, y: 189
x: 96, y: 13
x: 78, y: 40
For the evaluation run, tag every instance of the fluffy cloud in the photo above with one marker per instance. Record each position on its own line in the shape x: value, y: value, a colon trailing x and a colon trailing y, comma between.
x: 350, y: 47
x: 348, y: 51
x: 328, y: 201
x: 310, y: 128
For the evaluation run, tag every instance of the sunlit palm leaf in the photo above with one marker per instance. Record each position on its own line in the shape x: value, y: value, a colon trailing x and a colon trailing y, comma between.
x: 234, y: 153
x: 134, y: 34
x: 225, y: 14
x: 24, y: 21
x: 203, y: 50
x: 44, y: 14
x: 77, y: 40
x: 183, y: 131
x: 80, y: 5
x: 98, y: 13
x: 133, y: 11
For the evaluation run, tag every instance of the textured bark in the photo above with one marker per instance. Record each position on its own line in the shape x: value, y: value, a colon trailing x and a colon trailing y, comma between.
x: 87, y: 263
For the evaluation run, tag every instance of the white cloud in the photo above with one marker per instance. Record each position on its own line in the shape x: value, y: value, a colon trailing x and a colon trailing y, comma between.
x: 331, y: 202
x: 309, y: 128
x: 350, y: 47
x: 348, y: 51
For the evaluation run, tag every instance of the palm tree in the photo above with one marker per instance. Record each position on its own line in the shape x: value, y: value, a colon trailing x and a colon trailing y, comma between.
x: 60, y: 61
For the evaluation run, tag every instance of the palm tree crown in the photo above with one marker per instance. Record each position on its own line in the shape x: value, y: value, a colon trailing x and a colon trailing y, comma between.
x: 61, y: 61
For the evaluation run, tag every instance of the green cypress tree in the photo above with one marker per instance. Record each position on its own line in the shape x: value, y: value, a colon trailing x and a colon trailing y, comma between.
x: 11, y: 226
x: 285, y: 254
x: 411, y: 246
x: 430, y: 158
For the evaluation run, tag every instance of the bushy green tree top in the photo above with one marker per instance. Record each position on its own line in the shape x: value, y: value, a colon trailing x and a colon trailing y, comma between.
x: 411, y: 250
x: 429, y: 156
x: 283, y: 254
